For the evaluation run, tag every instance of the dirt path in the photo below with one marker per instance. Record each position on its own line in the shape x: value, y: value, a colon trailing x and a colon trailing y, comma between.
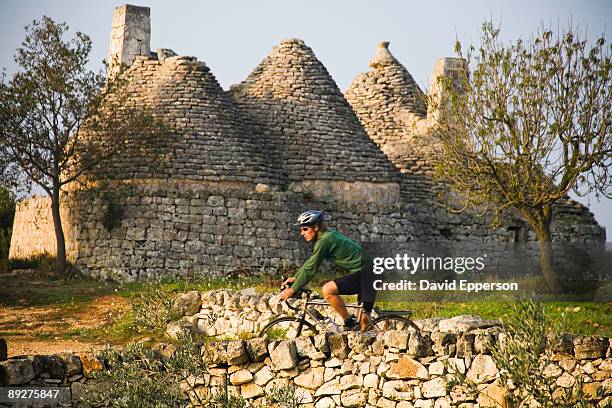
x: 45, y: 316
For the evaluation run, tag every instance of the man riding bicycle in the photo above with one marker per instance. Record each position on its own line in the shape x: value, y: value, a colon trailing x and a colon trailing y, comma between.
x: 344, y: 253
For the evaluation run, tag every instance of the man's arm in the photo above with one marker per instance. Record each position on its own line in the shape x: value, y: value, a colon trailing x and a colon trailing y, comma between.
x: 307, y: 271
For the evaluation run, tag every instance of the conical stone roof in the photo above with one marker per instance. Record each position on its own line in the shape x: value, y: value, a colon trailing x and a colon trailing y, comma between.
x: 207, y: 138
x: 297, y: 110
x: 392, y: 108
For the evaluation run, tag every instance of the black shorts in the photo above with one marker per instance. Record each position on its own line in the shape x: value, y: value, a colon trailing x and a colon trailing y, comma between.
x: 355, y: 284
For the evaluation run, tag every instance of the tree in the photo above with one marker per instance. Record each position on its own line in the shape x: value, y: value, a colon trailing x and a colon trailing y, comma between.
x: 531, y: 123
x: 52, y: 107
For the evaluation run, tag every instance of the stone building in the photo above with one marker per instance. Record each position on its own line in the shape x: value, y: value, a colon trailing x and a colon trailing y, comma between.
x: 219, y: 192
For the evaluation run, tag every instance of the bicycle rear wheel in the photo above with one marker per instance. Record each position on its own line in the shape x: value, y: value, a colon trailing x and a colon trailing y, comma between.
x: 392, y: 322
x: 288, y: 328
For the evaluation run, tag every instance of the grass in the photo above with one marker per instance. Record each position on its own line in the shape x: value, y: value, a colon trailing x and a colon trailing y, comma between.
x: 150, y: 304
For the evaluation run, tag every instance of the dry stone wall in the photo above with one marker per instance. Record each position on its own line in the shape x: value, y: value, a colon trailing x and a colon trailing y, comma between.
x: 144, y: 231
x: 389, y: 369
x: 396, y: 368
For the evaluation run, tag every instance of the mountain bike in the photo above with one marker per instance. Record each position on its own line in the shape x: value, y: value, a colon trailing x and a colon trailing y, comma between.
x: 308, y: 321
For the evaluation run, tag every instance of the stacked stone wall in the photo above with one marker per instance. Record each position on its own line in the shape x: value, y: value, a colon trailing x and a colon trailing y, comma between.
x: 144, y: 231
x: 395, y: 368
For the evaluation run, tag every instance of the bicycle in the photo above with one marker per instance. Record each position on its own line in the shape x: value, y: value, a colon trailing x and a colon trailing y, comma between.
x: 299, y: 325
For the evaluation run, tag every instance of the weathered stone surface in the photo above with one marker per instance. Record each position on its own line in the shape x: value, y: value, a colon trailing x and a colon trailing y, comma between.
x: 251, y: 390
x: 16, y: 371
x: 434, y: 388
x: 397, y: 339
x: 215, y: 352
x: 371, y: 380
x: 338, y: 345
x: 241, y: 377
x: 482, y: 369
x: 329, y: 388
x: 407, y: 368
x: 236, y: 352
x: 565, y: 381
x: 590, y: 347
x: 419, y: 345
x: 257, y: 348
x: 305, y: 347
x: 325, y: 402
x: 188, y: 303
x: 466, y: 323
x: 350, y: 381
x: 493, y: 395
x: 285, y: 355
x: 311, y: 378
x: 353, y: 398
x: 262, y: 376
x: 398, y: 390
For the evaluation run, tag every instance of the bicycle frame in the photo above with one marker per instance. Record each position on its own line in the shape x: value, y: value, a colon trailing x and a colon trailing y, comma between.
x: 304, y: 311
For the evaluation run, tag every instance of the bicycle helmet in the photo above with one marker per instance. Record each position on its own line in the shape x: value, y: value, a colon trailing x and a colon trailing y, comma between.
x: 310, y: 217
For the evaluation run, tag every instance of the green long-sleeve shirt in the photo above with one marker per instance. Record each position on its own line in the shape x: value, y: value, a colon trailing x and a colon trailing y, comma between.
x: 336, y: 248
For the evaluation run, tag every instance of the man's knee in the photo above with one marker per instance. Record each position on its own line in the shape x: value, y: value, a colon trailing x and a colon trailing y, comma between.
x: 329, y: 289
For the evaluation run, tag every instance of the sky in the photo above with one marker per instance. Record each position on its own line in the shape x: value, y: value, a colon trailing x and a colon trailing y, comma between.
x: 232, y: 37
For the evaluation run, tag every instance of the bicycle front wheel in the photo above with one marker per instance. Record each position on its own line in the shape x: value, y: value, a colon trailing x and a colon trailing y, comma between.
x: 394, y: 323
x: 287, y: 328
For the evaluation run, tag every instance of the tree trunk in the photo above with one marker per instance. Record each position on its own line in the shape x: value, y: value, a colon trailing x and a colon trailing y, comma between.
x: 546, y: 258
x: 60, y: 259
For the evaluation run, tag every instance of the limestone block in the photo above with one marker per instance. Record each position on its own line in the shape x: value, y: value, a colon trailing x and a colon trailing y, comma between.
x: 53, y: 366
x: 590, y: 347
x: 311, y: 378
x: 407, y: 368
x: 398, y: 390
x: 348, y: 382
x: 396, y: 338
x: 370, y: 380
x: 237, y: 353
x: 16, y: 371
x: 251, y: 390
x: 284, y: 356
x: 325, y: 402
x: 434, y: 388
x: 353, y: 398
x: 257, y: 348
x: 263, y: 376
x: 215, y: 352
x: 241, y: 377
x: 482, y: 369
x: 493, y: 395
x: 331, y: 387
x: 338, y: 344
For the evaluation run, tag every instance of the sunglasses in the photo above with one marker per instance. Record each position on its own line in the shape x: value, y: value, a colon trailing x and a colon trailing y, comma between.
x: 302, y: 229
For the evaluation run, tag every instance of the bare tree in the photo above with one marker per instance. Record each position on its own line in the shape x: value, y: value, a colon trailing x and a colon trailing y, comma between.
x: 50, y: 109
x: 529, y: 124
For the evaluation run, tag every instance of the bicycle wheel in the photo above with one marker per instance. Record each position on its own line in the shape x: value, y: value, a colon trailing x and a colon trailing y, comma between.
x: 392, y: 322
x: 287, y: 328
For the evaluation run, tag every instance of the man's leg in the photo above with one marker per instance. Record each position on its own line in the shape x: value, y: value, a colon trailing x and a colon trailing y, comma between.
x: 330, y: 293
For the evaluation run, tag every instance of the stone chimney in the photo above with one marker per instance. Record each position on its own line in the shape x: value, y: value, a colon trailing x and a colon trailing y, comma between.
x: 130, y: 34
x: 453, y: 68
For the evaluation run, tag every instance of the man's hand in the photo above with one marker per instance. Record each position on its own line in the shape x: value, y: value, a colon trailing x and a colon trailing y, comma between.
x: 287, y: 293
x: 288, y: 282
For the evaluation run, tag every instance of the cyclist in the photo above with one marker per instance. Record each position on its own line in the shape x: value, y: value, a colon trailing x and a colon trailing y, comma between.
x: 343, y: 252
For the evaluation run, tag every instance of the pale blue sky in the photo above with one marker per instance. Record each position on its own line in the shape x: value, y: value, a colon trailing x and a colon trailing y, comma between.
x: 232, y: 37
